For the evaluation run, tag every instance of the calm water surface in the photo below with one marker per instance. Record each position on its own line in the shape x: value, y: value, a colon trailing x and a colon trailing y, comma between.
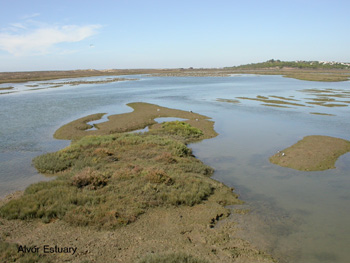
x: 297, y: 216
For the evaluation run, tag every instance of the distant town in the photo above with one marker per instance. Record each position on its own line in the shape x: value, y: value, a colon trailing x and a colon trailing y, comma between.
x: 334, y: 63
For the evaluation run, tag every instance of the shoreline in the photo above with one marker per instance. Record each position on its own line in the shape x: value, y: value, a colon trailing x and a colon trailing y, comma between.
x: 331, y: 75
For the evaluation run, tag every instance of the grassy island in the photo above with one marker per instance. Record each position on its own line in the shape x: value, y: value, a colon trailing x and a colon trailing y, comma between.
x: 122, y: 197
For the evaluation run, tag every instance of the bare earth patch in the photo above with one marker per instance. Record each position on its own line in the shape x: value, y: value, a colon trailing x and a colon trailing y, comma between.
x: 312, y: 153
x: 161, y: 231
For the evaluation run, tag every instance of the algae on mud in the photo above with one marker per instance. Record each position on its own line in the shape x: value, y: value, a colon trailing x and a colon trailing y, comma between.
x: 137, y: 194
x: 312, y: 153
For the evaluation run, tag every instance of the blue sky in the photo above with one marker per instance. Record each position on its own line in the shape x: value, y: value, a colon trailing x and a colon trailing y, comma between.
x: 74, y: 34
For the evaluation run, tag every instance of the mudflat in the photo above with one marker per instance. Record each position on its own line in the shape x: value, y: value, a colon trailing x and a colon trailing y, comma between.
x: 312, y: 153
x: 142, y: 116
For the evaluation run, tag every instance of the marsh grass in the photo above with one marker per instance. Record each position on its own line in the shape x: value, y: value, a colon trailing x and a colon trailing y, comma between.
x: 109, y: 181
x: 181, y: 130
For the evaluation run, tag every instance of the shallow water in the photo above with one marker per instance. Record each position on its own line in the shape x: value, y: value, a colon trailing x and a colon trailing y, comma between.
x: 298, y: 216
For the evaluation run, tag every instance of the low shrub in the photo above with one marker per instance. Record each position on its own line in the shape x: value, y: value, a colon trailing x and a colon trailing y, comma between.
x: 90, y: 178
x: 182, y: 129
x: 52, y: 163
x: 158, y: 176
x: 165, y: 157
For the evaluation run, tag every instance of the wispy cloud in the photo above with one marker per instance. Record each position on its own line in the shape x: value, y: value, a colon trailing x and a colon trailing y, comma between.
x: 18, y: 26
x: 41, y: 40
x: 28, y: 16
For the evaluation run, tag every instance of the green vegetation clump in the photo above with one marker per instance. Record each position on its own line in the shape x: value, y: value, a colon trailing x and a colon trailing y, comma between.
x: 51, y: 163
x: 171, y: 258
x: 109, y: 181
x: 181, y: 128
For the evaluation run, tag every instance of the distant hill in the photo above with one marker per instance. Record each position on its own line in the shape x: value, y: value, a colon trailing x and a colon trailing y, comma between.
x: 294, y: 64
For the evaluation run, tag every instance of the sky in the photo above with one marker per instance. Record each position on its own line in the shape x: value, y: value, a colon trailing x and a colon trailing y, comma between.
x: 103, y: 34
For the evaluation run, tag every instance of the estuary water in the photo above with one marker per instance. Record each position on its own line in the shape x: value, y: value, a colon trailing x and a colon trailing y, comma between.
x: 296, y: 216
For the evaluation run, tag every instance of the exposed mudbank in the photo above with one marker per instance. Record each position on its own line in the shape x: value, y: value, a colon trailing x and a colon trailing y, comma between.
x: 7, y: 88
x: 312, y: 153
x: 142, y: 116
x: 319, y: 99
